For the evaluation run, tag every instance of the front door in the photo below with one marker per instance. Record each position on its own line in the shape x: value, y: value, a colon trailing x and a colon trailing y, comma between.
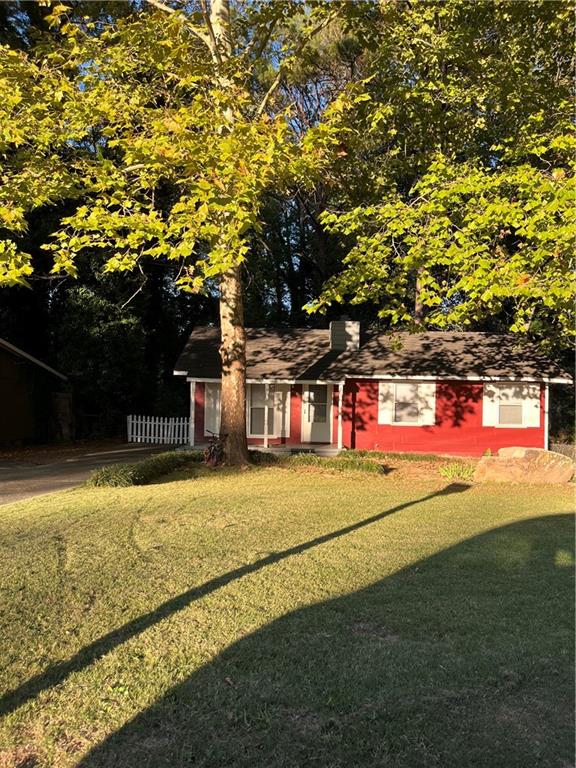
x: 316, y: 413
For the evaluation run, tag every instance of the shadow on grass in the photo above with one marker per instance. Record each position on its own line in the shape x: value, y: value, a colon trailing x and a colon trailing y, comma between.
x: 460, y: 660
x: 58, y: 673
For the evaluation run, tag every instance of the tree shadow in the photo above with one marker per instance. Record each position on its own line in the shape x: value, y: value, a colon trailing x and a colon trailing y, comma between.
x: 59, y: 672
x: 459, y: 660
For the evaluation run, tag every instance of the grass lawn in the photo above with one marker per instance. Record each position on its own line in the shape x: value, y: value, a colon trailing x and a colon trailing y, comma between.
x: 288, y: 617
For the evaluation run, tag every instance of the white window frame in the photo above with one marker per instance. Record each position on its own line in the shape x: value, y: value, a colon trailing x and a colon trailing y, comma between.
x: 218, y: 386
x: 426, y: 392
x: 416, y: 422
x: 529, y: 399
x: 271, y: 404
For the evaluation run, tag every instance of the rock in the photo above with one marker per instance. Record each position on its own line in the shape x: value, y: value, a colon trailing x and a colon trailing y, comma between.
x: 524, y: 465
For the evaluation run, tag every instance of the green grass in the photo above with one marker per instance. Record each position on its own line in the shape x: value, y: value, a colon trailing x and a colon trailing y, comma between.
x: 283, y: 617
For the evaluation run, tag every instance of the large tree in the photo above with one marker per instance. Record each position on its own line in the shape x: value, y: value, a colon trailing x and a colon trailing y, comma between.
x: 458, y: 205
x: 161, y: 125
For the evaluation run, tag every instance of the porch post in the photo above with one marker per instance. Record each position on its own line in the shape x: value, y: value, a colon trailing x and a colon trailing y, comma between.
x: 546, y: 415
x: 192, y: 413
x: 340, y: 398
x: 266, y: 395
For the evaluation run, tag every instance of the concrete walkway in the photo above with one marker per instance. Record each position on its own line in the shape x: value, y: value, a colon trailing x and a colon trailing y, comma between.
x: 20, y: 480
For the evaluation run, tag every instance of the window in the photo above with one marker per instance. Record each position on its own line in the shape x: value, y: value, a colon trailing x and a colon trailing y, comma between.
x: 212, y: 408
x: 407, y: 403
x: 511, y: 405
x: 261, y: 412
x: 510, y: 413
x: 274, y: 412
x: 317, y: 403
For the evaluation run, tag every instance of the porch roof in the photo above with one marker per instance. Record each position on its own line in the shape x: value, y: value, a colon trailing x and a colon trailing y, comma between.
x: 304, y: 354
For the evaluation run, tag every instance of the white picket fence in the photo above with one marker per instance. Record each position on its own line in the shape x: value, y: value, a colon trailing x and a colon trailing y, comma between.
x: 167, y: 430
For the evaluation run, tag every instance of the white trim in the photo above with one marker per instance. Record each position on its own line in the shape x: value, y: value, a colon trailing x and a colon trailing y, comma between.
x: 386, y: 377
x: 425, y: 402
x: 179, y: 373
x: 291, y: 381
x: 546, y: 415
x: 267, y: 381
x: 492, y: 397
x: 266, y: 411
x: 340, y: 398
x: 192, y: 422
x: 204, y: 381
x: 20, y: 352
x: 383, y: 376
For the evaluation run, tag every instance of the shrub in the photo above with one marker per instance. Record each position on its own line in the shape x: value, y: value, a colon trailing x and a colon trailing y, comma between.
x: 457, y: 470
x: 263, y: 458
x: 393, y: 456
x: 341, y: 463
x: 143, y: 472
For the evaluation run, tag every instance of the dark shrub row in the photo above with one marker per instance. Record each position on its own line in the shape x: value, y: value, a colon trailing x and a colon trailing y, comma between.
x: 143, y: 472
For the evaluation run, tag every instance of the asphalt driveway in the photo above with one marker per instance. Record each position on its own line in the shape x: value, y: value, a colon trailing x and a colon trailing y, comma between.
x: 22, y: 479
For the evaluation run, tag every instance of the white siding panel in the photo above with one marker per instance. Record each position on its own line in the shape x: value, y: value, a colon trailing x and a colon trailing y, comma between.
x: 212, y: 408
x: 281, y: 410
x: 385, y: 402
x: 531, y: 405
x: 427, y: 395
x: 490, y: 403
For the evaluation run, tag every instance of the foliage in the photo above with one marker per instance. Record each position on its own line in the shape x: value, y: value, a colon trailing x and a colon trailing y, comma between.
x: 142, y: 472
x: 467, y: 190
x: 341, y: 463
x: 457, y: 470
x: 169, y: 158
x: 391, y: 455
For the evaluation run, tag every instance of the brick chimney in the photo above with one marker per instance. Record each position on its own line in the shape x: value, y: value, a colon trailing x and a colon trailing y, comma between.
x: 344, y: 334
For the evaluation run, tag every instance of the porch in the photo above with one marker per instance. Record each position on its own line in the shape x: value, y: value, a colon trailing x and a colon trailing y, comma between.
x: 281, y: 416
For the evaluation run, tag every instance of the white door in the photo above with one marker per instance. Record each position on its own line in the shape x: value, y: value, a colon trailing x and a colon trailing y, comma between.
x: 317, y: 413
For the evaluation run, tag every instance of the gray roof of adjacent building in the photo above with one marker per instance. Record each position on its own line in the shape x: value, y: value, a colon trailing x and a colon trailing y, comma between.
x: 20, y: 353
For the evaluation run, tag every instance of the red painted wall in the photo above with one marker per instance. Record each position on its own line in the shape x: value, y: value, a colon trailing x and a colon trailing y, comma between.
x: 199, y: 436
x: 458, y: 427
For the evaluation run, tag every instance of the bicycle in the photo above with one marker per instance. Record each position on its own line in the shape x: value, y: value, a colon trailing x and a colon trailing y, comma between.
x: 214, y: 451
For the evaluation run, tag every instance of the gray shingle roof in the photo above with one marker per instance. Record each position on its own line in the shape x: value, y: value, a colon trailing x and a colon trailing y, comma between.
x: 304, y: 354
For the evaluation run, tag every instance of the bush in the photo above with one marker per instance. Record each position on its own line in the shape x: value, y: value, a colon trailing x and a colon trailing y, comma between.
x: 393, y: 456
x: 457, y: 470
x: 341, y: 463
x: 143, y: 472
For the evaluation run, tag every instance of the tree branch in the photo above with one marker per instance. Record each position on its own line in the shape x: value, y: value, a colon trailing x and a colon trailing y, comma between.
x: 282, y: 67
x: 200, y: 34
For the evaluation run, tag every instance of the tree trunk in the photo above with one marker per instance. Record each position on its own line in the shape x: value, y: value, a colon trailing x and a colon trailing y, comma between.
x: 418, y: 306
x: 233, y: 335
x: 233, y: 354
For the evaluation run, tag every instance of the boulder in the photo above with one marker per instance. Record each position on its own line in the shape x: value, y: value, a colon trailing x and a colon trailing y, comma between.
x: 524, y: 465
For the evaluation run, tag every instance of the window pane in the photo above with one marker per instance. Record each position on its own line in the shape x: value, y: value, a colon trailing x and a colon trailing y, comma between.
x: 317, y: 413
x: 510, y: 413
x: 406, y: 403
x: 257, y: 421
x: 406, y: 413
x: 257, y: 394
x: 318, y: 393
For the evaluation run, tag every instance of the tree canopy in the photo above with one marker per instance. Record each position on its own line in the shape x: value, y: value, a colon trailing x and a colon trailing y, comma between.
x: 412, y: 161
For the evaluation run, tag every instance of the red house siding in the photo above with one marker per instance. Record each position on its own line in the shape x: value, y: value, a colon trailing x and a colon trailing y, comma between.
x: 458, y: 427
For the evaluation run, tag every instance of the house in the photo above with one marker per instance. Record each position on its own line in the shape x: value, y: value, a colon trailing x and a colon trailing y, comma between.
x: 445, y: 392
x: 36, y: 406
